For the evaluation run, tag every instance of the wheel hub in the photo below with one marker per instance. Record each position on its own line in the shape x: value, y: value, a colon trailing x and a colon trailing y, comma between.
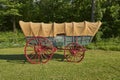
x: 74, y: 52
x: 38, y: 49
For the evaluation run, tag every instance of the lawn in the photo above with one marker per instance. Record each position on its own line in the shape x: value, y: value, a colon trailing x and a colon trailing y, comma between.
x: 97, y: 65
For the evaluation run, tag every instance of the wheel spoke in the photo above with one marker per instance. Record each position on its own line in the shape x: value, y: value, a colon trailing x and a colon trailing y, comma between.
x: 45, y: 55
x: 39, y: 57
x: 31, y: 46
x: 31, y: 56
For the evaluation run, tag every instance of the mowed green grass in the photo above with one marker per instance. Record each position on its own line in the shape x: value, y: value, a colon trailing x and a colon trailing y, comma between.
x: 97, y: 65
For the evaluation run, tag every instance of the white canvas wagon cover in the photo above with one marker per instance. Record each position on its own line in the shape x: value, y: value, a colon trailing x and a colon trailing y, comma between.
x: 53, y: 29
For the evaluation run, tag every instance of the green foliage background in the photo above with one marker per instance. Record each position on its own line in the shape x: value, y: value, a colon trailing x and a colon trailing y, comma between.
x: 11, y: 11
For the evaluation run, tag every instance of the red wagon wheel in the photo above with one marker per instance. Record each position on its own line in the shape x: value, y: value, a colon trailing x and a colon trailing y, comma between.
x: 74, y: 52
x: 38, y: 50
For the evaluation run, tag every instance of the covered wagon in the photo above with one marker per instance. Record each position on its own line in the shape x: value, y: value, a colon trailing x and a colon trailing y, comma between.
x: 43, y: 39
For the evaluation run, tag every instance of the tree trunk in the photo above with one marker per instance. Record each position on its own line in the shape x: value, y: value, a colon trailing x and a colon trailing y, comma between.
x: 14, y: 25
x: 93, y: 11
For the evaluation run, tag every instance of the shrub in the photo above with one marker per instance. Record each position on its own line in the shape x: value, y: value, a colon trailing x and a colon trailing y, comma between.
x: 10, y: 39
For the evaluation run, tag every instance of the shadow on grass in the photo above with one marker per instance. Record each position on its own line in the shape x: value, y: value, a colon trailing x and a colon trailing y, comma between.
x: 20, y: 58
x: 14, y: 58
x: 58, y: 57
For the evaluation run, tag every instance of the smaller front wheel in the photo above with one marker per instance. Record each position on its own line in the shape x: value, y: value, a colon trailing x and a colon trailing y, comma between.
x: 73, y: 52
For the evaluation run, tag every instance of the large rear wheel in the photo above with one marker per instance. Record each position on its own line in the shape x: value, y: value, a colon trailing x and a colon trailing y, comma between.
x: 38, y: 50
